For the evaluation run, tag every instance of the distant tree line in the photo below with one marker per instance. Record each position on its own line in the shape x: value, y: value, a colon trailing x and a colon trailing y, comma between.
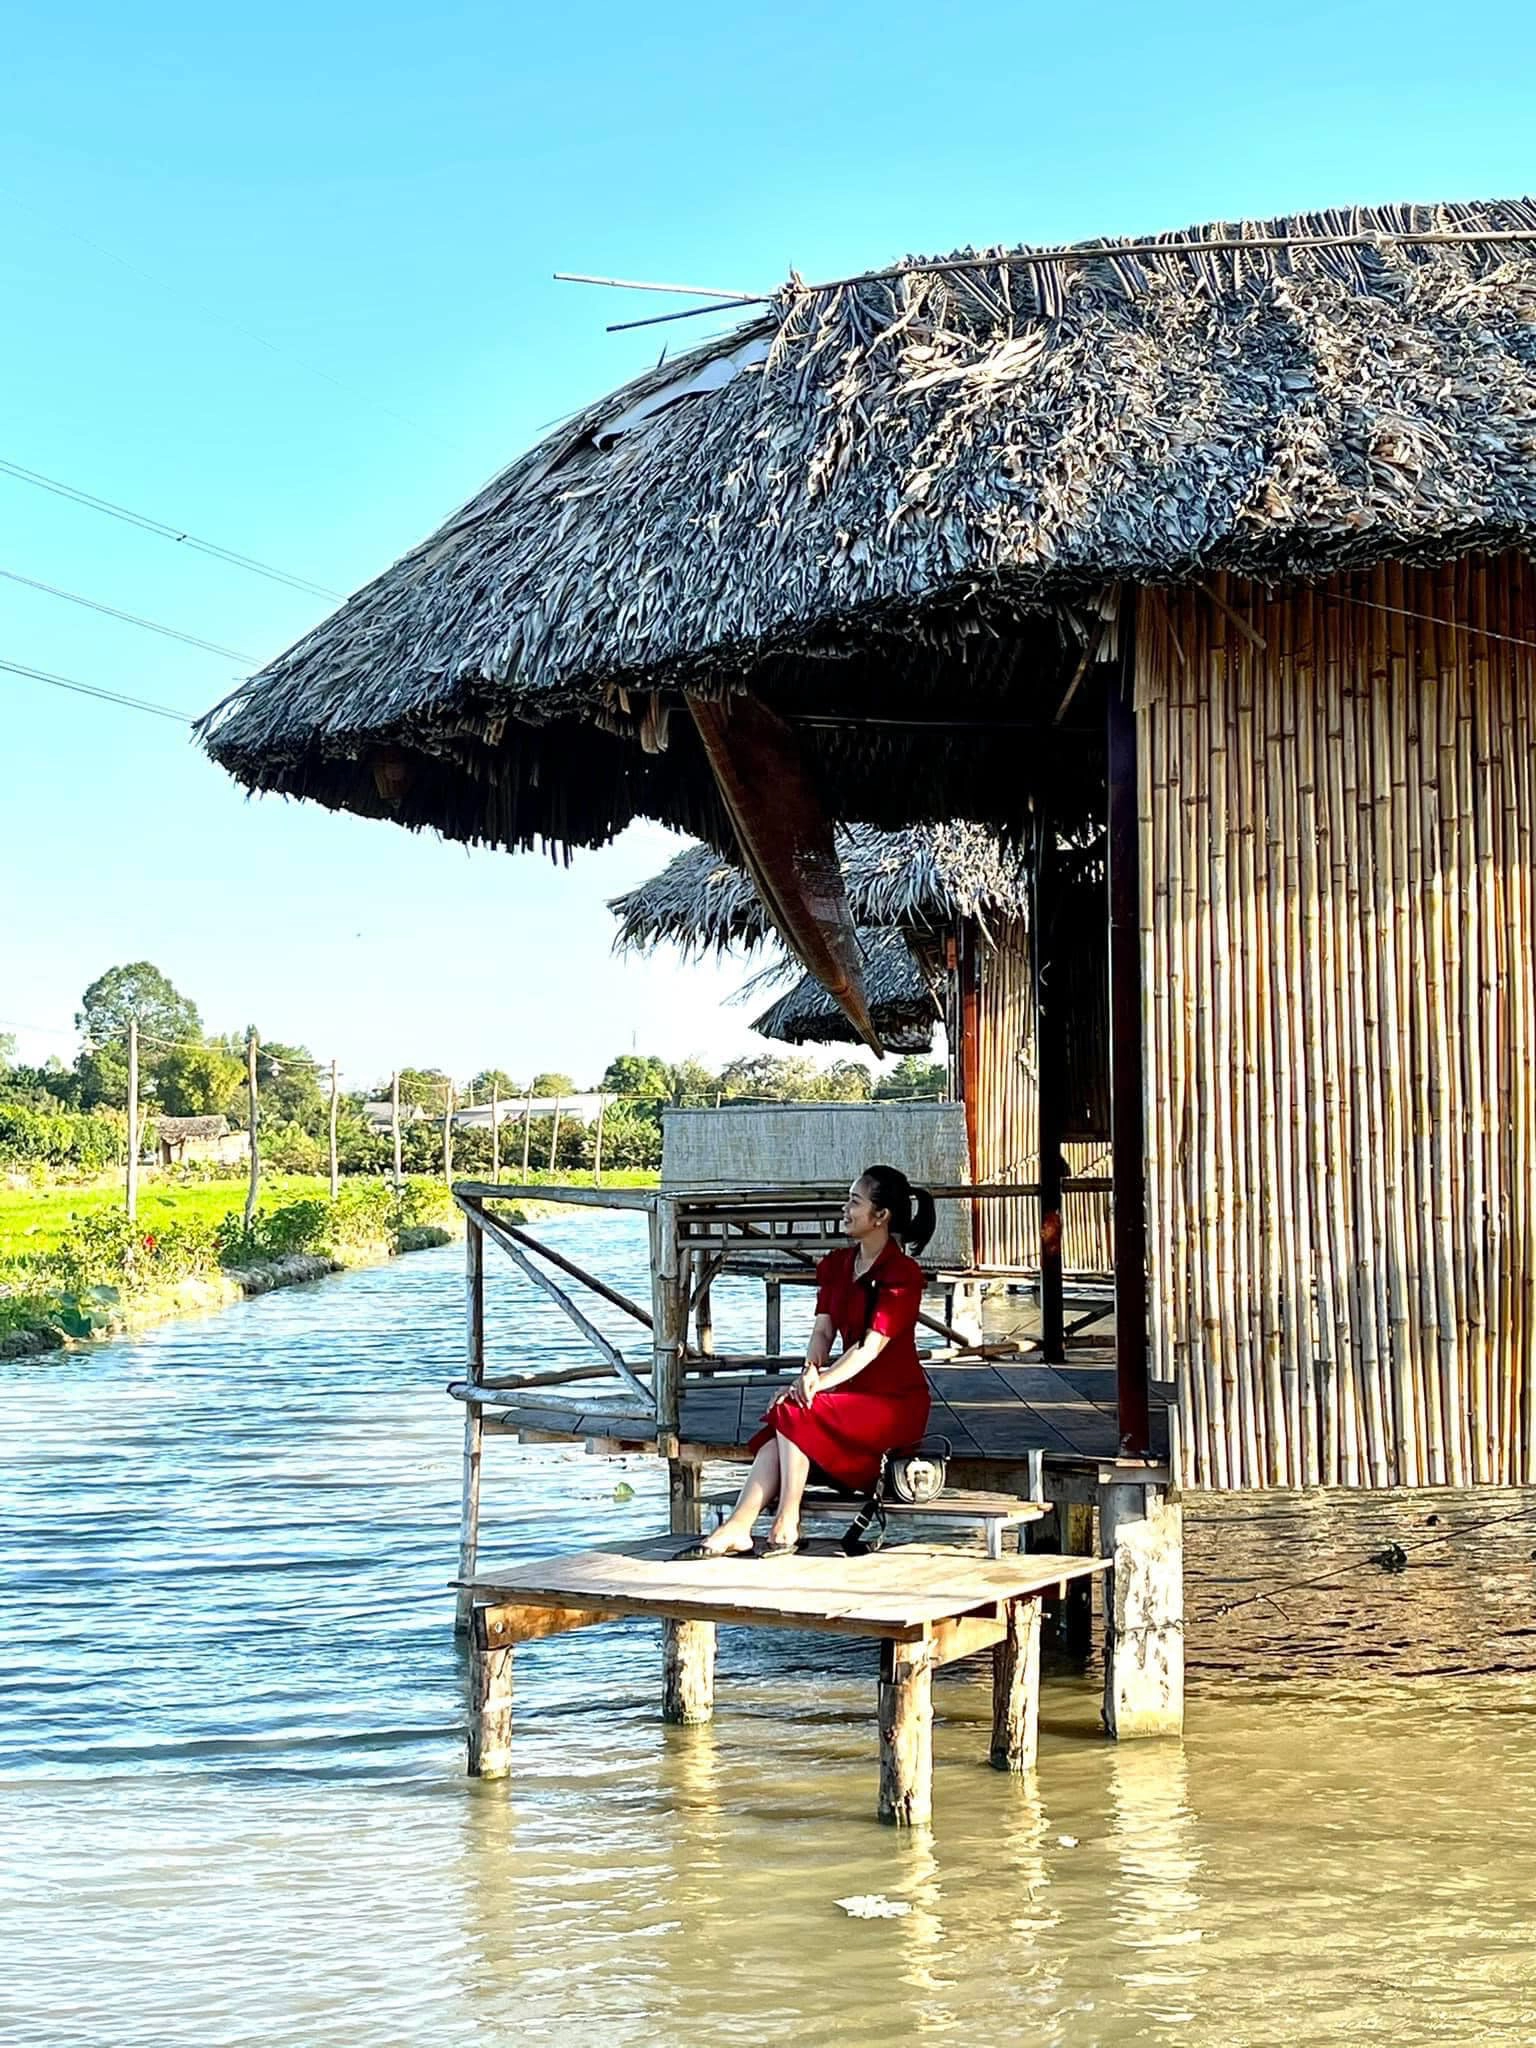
x: 75, y: 1116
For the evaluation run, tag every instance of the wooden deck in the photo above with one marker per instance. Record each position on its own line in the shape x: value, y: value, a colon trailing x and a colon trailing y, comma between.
x: 990, y: 1414
x: 925, y: 1606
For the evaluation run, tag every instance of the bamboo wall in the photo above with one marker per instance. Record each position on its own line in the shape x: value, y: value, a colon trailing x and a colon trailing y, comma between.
x: 1007, y: 1113
x: 1339, y: 853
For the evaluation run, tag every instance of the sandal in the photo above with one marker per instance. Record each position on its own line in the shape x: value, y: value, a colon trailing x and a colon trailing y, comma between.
x: 785, y: 1549
x: 694, y: 1553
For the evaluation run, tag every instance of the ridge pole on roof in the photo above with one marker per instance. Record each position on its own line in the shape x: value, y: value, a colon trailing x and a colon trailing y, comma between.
x: 1126, y: 997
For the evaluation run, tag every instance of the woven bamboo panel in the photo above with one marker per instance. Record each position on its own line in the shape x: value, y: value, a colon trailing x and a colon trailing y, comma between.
x: 1339, y: 854
x: 782, y: 1144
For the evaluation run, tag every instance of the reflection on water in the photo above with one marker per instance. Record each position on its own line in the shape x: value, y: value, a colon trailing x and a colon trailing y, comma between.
x: 235, y: 1810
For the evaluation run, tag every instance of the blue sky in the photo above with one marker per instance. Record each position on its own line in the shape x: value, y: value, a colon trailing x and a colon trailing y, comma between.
x: 284, y: 280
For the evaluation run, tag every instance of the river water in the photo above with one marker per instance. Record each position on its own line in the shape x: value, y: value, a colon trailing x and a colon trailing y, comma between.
x: 235, y: 1808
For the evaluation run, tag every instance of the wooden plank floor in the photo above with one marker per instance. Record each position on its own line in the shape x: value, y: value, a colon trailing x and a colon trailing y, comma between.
x: 986, y: 1411
x: 897, y: 1592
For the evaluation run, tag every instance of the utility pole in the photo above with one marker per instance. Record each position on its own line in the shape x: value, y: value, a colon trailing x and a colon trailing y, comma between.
x: 255, y: 1127
x: 133, y: 1118
x: 334, y: 1179
x: 495, y: 1130
x: 448, y: 1134
x: 394, y: 1121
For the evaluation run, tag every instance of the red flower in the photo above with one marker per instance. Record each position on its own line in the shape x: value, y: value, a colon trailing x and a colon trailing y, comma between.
x: 149, y: 1240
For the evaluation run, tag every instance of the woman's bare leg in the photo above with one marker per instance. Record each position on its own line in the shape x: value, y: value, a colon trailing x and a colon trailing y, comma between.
x: 794, y: 1471
x: 762, y: 1483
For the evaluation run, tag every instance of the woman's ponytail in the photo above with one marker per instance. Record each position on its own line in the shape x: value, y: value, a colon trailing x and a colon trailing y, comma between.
x: 911, y: 1210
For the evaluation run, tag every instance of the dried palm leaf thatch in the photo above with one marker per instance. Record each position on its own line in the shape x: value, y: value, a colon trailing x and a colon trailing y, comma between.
x: 900, y: 1000
x: 898, y: 497
x: 922, y: 878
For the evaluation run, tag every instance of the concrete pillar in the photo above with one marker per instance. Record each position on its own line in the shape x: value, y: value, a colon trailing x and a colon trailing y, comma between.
x: 1142, y: 1532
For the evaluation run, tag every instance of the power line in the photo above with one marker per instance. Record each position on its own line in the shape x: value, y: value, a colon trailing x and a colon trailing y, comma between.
x: 167, y: 532
x: 42, y: 675
x: 91, y: 604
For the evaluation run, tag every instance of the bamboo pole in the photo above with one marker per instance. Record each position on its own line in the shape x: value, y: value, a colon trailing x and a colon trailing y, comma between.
x: 527, y: 1129
x: 554, y: 1136
x: 448, y: 1134
x: 394, y: 1124
x: 131, y: 1193
x: 255, y: 1128
x: 495, y: 1130
x: 333, y: 1162
x: 597, y: 1149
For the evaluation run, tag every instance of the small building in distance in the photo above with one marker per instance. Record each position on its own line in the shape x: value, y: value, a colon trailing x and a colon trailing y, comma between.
x: 201, y: 1140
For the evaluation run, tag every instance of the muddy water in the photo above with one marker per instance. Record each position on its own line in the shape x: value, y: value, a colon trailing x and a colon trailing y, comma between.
x: 233, y: 1809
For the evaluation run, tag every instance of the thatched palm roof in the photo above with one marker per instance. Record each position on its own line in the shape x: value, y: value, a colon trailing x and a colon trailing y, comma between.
x: 923, y: 878
x: 175, y: 1130
x: 895, y: 987
x: 841, y: 502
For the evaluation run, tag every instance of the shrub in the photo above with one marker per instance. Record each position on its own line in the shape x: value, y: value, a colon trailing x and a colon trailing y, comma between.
x: 89, y: 1142
x: 107, y: 1250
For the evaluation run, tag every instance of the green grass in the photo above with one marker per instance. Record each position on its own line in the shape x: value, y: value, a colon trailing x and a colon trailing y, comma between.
x: 33, y: 1220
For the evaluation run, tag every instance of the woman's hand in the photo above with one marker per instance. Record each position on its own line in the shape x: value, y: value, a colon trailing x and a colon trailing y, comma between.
x: 806, y: 1388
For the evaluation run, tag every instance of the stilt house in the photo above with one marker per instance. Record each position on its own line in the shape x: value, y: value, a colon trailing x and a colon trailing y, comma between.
x: 1215, y: 543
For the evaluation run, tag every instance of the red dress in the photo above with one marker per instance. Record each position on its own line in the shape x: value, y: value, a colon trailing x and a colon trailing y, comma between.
x: 884, y: 1407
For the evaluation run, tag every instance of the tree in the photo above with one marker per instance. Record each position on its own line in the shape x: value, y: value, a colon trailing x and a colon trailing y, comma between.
x: 422, y: 1086
x: 843, y: 1081
x: 693, y: 1084
x: 7, y: 1049
x: 138, y: 991
x: 493, y: 1077
x: 199, y: 1080
x: 637, y: 1073
x: 546, y: 1085
x: 912, y: 1078
x: 290, y: 1087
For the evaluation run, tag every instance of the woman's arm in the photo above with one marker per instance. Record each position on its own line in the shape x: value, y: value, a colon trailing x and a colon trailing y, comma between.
x: 823, y: 1337
x: 853, y: 1361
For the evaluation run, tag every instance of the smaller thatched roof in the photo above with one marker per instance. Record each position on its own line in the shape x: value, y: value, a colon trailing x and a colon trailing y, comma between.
x: 920, y: 879
x: 175, y: 1130
x: 902, y: 1004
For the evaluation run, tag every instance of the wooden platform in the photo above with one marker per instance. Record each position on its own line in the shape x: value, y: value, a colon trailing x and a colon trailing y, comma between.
x: 996, y: 1413
x: 925, y: 1606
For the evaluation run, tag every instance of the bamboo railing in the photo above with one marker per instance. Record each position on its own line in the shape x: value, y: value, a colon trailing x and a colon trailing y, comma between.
x: 1338, y: 816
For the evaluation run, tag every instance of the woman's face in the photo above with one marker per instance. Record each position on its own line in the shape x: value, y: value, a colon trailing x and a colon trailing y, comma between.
x: 860, y: 1216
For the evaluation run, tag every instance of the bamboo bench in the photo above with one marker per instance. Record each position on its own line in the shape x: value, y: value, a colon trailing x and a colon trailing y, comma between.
x: 925, y: 1607
x: 992, y: 1513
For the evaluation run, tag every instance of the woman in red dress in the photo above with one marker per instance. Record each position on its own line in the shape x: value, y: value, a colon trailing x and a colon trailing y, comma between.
x: 838, y: 1420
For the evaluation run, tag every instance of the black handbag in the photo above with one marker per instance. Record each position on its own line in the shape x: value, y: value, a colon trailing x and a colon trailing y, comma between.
x: 912, y: 1476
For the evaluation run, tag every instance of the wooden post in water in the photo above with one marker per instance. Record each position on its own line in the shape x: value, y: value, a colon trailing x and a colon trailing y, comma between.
x: 474, y: 1426
x: 554, y: 1136
x: 1016, y: 1690
x: 687, y: 1647
x: 773, y: 1317
x: 335, y: 1170
x: 490, y: 1702
x: 495, y: 1130
x: 255, y: 1128
x: 906, y: 1734
x: 448, y: 1134
x: 394, y: 1122
x: 133, y: 1119
x: 527, y: 1129
x: 1143, y: 1532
